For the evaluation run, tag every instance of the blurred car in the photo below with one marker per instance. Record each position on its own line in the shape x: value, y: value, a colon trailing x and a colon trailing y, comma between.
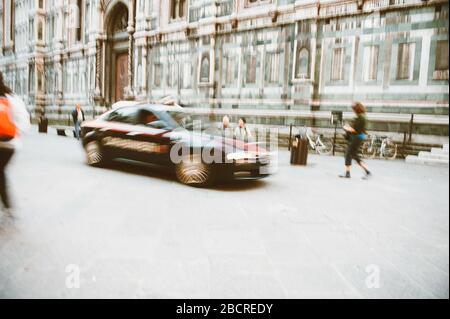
x: 166, y: 135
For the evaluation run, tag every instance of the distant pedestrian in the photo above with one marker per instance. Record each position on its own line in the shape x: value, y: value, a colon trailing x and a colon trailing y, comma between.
x: 78, y: 118
x: 226, y: 130
x: 242, y: 132
x: 356, y: 133
x: 14, y: 120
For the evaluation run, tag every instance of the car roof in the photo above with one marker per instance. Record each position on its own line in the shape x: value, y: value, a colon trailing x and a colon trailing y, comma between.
x: 120, y: 104
x: 155, y: 107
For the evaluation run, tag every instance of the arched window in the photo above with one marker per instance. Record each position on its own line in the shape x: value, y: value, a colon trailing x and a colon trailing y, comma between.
x: 204, y: 68
x: 302, y: 68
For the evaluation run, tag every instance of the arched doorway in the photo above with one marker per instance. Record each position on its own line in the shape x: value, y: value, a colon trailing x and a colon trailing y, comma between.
x: 116, y: 59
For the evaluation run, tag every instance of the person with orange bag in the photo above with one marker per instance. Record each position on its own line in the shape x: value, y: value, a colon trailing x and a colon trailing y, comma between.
x: 14, y: 119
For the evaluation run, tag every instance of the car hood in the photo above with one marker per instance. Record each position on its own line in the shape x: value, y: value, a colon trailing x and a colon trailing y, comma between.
x: 228, y: 145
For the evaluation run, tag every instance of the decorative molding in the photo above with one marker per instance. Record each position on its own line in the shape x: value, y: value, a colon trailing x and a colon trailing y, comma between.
x: 234, y: 23
x: 274, y: 15
x: 189, y: 31
x: 360, y: 4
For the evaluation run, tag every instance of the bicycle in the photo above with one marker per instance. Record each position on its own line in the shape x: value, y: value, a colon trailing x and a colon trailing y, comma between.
x: 321, y: 147
x: 383, y: 146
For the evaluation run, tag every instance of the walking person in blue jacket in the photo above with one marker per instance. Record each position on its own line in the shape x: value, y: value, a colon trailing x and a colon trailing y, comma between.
x: 357, y: 134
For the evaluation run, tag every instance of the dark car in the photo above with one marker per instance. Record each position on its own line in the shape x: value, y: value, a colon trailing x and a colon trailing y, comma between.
x: 168, y: 136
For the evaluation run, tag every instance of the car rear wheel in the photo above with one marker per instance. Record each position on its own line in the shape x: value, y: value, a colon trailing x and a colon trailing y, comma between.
x: 193, y: 171
x: 94, y: 155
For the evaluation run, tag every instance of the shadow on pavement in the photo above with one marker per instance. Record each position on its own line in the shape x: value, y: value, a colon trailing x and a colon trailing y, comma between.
x: 240, y: 185
x: 166, y: 174
x: 138, y: 168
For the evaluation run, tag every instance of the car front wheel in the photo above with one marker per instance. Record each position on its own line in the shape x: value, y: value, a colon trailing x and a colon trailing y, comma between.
x: 94, y: 155
x: 195, y: 172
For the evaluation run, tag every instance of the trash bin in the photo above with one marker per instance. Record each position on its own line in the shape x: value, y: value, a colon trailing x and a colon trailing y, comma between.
x: 42, y: 124
x: 299, y: 151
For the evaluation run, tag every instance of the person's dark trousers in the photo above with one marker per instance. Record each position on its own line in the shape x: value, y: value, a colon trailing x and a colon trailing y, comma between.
x: 5, y: 157
x: 353, y: 151
x: 77, y: 129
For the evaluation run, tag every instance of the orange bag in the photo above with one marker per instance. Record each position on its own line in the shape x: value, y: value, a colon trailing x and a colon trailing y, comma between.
x: 8, y: 129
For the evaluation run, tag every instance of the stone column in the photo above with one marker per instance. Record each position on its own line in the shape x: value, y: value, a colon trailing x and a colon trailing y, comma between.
x: 129, y: 94
x: 144, y: 67
x: 98, y: 68
x: 99, y: 43
x: 58, y: 41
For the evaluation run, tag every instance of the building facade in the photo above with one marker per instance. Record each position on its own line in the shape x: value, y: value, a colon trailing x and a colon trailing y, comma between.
x: 264, y: 56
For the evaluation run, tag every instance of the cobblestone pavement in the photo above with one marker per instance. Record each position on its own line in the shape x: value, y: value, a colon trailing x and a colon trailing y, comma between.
x: 134, y: 232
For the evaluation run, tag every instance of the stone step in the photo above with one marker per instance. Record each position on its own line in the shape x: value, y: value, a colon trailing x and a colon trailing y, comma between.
x: 426, y: 155
x: 436, y: 150
x: 445, y: 147
x: 411, y: 159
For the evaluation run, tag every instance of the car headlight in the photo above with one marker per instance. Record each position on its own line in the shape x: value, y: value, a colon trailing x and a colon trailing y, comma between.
x: 241, y: 156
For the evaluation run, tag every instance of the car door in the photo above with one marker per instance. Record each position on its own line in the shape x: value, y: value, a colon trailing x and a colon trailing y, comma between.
x: 115, y: 138
x: 150, y: 138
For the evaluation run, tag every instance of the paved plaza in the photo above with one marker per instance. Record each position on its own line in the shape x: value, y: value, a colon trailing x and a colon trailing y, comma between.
x: 134, y: 232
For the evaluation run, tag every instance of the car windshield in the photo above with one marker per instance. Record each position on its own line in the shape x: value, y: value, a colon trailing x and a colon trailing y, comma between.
x: 182, y: 119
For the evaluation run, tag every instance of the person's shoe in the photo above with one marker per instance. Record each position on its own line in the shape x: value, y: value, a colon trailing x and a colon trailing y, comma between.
x: 346, y: 175
x: 367, y: 176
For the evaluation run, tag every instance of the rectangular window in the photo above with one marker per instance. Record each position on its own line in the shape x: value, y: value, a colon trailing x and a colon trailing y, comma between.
x: 8, y: 22
x: 257, y: 2
x: 272, y: 67
x: 13, y: 22
x: 405, y: 61
x: 40, y: 30
x: 187, y: 75
x: 87, y: 21
x: 157, y: 73
x: 337, y: 67
x: 371, y: 63
x: 441, y: 63
x: 51, y: 30
x: 177, y: 9
x: 79, y: 30
x: 250, y: 74
x: 229, y: 70
x: 172, y: 74
x: 441, y: 55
